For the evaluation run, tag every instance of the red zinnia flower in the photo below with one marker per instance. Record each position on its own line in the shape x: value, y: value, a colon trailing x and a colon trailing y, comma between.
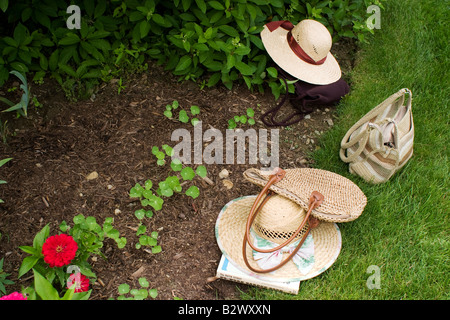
x: 59, y: 250
x: 81, y: 282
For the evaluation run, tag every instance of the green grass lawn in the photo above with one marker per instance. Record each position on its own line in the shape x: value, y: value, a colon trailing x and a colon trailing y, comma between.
x: 404, y: 227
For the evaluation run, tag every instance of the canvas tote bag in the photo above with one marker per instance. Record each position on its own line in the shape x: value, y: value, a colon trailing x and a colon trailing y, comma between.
x: 381, y: 142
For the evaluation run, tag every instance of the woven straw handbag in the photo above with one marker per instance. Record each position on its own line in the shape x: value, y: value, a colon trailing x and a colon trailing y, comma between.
x: 324, y: 196
x: 381, y: 142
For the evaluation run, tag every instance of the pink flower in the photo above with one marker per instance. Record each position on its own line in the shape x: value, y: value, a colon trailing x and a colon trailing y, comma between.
x: 14, y: 296
x: 80, y: 281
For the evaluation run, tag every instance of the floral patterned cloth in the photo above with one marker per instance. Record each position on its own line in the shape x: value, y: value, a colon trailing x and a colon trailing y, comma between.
x: 303, y: 259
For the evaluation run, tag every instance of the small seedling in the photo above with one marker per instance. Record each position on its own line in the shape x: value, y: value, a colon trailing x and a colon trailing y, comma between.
x: 120, y: 86
x: 136, y: 294
x: 150, y: 241
x: 243, y: 119
x: 183, y: 115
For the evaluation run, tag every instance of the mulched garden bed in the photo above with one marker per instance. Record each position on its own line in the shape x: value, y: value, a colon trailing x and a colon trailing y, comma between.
x: 59, y: 145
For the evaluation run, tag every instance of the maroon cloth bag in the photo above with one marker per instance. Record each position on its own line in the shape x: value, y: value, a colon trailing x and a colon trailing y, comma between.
x: 306, y: 96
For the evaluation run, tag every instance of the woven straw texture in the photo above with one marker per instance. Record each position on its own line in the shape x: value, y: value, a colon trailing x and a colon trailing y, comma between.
x: 230, y: 230
x: 381, y: 142
x: 343, y: 200
x: 282, y: 221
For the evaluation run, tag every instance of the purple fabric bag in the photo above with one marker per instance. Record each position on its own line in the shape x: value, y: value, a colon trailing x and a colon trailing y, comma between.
x: 306, y: 96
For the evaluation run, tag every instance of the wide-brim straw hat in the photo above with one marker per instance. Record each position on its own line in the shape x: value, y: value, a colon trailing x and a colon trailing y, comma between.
x: 279, y: 216
x: 277, y: 220
x: 302, y: 50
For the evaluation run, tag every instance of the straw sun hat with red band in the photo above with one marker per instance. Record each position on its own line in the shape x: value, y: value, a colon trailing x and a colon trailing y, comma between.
x: 302, y: 50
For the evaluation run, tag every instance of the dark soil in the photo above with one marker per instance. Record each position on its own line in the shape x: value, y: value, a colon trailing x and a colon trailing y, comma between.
x: 58, y: 145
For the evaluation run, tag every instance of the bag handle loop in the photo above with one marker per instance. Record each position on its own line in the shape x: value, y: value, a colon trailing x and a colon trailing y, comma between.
x: 315, y: 200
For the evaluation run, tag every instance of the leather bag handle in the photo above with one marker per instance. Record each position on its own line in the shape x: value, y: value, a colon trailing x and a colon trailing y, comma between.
x: 315, y: 200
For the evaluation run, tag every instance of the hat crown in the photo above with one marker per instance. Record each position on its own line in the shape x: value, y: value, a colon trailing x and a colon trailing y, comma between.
x: 313, y: 37
x: 278, y: 220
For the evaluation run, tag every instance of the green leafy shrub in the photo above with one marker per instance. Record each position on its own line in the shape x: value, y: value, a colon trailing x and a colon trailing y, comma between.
x: 214, y: 40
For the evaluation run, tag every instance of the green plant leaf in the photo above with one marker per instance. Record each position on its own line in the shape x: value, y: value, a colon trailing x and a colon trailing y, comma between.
x: 147, y: 194
x: 44, y: 288
x: 4, y: 5
x: 29, y: 250
x: 144, y: 28
x: 142, y: 229
x: 136, y: 191
x: 143, y: 282
x: 156, y: 249
x: 194, y: 121
x: 272, y: 72
x: 216, y: 5
x: 40, y: 237
x: 167, y: 192
x: 148, y: 184
x: 160, y: 155
x: 153, y: 293
x: 164, y: 185
x: 2, y: 162
x: 183, y: 117
x: 70, y: 39
x: 121, y: 242
x: 187, y: 173
x: 27, y: 263
x: 69, y: 293
x: 184, y: 63
x: 173, y: 182
x: 168, y: 114
x: 156, y: 202
x: 201, y: 171
x: 140, y: 214
x: 123, y: 288
x: 232, y: 124
x: 245, y: 69
x: 91, y: 223
x: 149, y: 213
x: 168, y: 150
x: 195, y: 110
x: 250, y: 113
x: 176, y: 164
x: 155, y: 150
x: 193, y: 192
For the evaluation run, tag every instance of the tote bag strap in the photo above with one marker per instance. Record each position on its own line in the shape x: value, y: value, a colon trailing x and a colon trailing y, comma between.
x: 315, y: 200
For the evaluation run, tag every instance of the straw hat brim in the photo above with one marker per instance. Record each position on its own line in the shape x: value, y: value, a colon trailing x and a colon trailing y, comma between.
x: 277, y: 47
x: 230, y: 230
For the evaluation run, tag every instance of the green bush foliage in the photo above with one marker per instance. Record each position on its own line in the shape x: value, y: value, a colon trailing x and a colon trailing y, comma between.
x: 210, y: 41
